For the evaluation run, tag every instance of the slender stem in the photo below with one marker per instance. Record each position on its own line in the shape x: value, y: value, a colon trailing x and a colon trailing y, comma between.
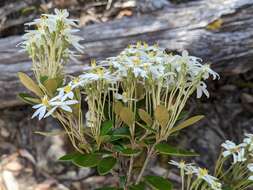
x: 182, y: 178
x: 150, y: 152
x: 129, y: 173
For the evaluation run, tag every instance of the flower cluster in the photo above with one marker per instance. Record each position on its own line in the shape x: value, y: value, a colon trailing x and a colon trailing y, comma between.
x: 150, y: 64
x: 49, y: 43
x: 241, y: 153
x: 200, y: 173
x: 153, y: 64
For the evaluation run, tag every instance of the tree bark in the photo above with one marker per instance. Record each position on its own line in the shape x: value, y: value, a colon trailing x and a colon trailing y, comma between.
x: 219, y: 31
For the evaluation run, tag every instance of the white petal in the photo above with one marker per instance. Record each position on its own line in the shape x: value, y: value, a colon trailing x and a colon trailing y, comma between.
x: 66, y: 108
x: 42, y: 112
x: 50, y: 112
x: 70, y: 102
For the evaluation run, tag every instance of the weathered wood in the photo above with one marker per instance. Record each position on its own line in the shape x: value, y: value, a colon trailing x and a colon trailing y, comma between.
x: 228, y: 47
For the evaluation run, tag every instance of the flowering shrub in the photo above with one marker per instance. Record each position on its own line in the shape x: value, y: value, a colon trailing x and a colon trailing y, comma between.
x: 135, y: 104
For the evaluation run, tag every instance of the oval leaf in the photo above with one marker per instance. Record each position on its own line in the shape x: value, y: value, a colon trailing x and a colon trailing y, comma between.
x: 28, y: 99
x: 50, y: 134
x: 70, y: 156
x: 117, y: 107
x: 106, y: 127
x: 162, y: 115
x: 30, y: 84
x: 127, y: 116
x: 158, y: 183
x: 87, y: 160
x: 121, y: 132
x: 187, y: 123
x: 130, y: 152
x: 106, y: 164
x: 51, y: 86
x: 166, y: 149
x: 145, y: 117
x: 140, y: 186
x: 109, y: 188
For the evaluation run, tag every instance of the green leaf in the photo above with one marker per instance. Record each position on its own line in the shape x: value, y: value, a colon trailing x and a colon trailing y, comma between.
x: 43, y: 79
x: 140, y: 186
x: 145, y: 117
x: 51, y: 86
x: 148, y: 128
x: 106, y: 164
x: 162, y: 115
x: 122, y: 181
x: 70, y: 156
x: 121, y: 132
x: 106, y: 127
x: 166, y: 149
x: 227, y: 188
x: 130, y: 152
x: 87, y: 160
x: 182, y: 115
x: 28, y: 99
x: 105, y: 138
x: 109, y: 188
x: 158, y: 183
x: 50, y: 134
x: 187, y: 123
x: 118, y: 147
x: 127, y: 116
x: 30, y: 84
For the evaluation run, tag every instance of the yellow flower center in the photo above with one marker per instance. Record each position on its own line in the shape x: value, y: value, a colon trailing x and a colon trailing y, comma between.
x: 44, y: 101
x: 145, y: 45
x: 138, y: 44
x: 76, y: 80
x: 182, y: 164
x: 151, y: 54
x: 203, y: 171
x: 67, y: 89
x: 100, y: 72
x: 136, y: 61
x: 93, y: 63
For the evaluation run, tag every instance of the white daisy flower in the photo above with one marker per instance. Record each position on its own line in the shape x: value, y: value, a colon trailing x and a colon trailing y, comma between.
x: 237, y: 151
x: 62, y: 104
x: 99, y: 74
x: 202, y: 89
x: 208, y: 71
x: 41, y: 108
x: 250, y: 178
x: 249, y: 141
x: 76, y: 83
x: 250, y: 167
x: 180, y: 165
x: 65, y: 92
x: 62, y: 15
x: 202, y: 173
x: 123, y: 97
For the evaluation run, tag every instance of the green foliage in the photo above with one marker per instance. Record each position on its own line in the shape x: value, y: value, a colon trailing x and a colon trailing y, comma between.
x: 106, y: 165
x: 166, y: 149
x: 158, y: 183
x: 106, y: 128
x: 30, y: 84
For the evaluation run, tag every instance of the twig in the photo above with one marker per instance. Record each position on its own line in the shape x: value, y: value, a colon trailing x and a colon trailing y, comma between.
x: 150, y: 152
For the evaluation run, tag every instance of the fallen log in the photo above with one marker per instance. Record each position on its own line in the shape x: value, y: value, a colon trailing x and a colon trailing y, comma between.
x: 218, y: 31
